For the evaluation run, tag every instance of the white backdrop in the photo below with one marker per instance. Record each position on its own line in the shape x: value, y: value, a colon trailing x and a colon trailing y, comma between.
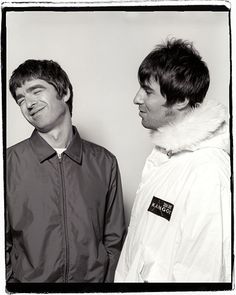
x: 101, y: 53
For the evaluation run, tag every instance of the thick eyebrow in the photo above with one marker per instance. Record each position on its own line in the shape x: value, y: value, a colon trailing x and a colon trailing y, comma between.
x: 147, y: 87
x: 19, y: 96
x: 32, y: 88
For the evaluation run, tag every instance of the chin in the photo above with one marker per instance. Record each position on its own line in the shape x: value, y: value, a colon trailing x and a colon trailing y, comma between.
x: 148, y: 126
x: 42, y: 128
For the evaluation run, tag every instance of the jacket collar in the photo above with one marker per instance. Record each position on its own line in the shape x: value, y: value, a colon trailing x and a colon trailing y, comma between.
x: 199, y: 125
x: 44, y: 151
x: 75, y: 148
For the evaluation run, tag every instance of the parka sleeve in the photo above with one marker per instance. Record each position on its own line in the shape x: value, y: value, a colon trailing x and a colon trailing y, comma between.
x: 203, y: 253
x: 115, y: 228
x: 123, y: 266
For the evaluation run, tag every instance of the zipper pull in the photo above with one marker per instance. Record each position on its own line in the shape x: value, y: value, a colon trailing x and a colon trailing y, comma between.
x: 169, y: 154
x: 59, y: 157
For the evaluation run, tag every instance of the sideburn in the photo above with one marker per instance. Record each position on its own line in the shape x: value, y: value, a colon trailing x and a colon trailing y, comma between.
x: 169, y: 113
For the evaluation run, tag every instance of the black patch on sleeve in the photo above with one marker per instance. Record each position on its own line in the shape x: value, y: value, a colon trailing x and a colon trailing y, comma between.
x: 161, y: 208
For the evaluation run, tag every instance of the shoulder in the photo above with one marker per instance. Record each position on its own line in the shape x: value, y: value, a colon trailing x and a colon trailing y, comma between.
x: 18, y: 148
x: 208, y: 184
x: 97, y: 151
x: 203, y: 162
x: 204, y: 169
x: 210, y: 160
x: 209, y: 177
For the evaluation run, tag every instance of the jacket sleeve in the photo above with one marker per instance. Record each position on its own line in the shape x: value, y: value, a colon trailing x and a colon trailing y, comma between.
x: 115, y: 228
x: 203, y: 254
x: 8, y: 249
x: 8, y: 234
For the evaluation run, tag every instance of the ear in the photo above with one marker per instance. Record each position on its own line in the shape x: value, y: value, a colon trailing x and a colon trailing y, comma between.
x: 179, y: 106
x: 67, y: 95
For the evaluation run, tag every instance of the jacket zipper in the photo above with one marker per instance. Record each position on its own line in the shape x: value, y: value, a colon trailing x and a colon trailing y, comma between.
x: 64, y: 221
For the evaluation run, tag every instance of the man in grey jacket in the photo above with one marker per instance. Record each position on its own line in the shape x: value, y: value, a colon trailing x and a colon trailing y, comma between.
x: 64, y: 205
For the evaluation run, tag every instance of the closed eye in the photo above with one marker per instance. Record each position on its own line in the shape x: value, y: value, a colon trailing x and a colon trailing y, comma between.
x: 20, y: 101
x: 148, y: 90
x: 37, y: 91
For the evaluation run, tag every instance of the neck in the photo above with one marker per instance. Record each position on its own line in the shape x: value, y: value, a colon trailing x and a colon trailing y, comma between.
x: 180, y: 115
x: 173, y: 116
x: 60, y: 136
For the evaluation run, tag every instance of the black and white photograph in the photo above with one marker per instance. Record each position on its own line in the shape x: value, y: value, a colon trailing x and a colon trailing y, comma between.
x: 117, y: 145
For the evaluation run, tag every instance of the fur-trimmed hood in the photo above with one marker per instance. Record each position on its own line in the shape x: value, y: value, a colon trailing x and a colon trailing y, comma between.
x: 204, y: 126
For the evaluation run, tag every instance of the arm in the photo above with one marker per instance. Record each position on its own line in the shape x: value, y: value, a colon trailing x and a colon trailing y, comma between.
x: 203, y: 254
x: 122, y: 266
x: 8, y: 234
x: 114, y: 222
x: 8, y: 248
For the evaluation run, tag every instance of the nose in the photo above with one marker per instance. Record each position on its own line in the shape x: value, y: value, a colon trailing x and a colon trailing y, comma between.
x: 139, y: 97
x: 30, y: 101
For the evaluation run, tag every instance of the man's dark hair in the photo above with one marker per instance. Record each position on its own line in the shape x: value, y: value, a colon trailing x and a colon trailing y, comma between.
x: 179, y: 70
x: 46, y: 70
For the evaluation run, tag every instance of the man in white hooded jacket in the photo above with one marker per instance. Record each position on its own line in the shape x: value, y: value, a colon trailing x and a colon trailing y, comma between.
x: 180, y: 227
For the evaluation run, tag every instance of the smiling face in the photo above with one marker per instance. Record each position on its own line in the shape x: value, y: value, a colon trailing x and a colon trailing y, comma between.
x: 152, y: 106
x: 41, y: 105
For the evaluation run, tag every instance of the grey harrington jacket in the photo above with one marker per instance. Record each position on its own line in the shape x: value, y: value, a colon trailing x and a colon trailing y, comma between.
x: 64, y: 217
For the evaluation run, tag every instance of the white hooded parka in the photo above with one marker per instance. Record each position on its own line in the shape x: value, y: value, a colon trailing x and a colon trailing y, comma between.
x: 180, y: 227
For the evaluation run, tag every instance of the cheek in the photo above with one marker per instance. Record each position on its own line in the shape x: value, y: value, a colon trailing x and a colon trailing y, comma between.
x: 149, y: 106
x: 169, y: 113
x: 154, y: 108
x: 57, y: 109
x: 23, y: 110
x: 56, y: 102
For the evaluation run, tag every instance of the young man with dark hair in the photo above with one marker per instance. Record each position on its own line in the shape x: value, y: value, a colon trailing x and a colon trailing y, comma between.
x: 180, y: 227
x: 64, y: 205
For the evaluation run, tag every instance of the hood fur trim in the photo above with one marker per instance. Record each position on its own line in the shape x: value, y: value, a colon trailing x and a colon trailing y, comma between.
x: 199, y: 124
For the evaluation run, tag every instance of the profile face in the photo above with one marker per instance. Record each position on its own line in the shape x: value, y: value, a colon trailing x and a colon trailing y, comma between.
x: 41, y: 105
x: 152, y: 108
